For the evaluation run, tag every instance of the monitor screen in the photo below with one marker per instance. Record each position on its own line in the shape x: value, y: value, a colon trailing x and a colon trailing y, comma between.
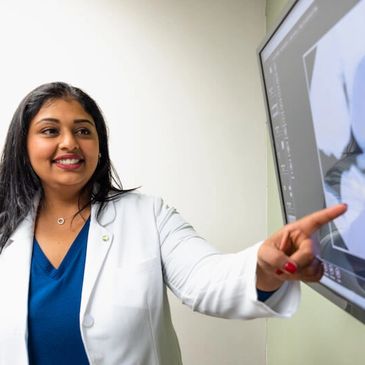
x: 313, y: 72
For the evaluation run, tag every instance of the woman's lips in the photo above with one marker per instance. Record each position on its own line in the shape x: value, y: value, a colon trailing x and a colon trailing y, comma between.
x: 68, y: 163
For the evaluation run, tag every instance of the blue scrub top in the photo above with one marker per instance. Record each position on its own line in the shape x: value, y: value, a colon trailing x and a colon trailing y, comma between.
x: 54, y: 335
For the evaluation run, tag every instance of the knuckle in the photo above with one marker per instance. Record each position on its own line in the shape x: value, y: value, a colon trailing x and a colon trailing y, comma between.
x: 296, y: 235
x: 308, y: 256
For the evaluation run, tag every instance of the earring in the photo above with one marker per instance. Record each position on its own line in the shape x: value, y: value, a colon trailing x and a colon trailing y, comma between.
x: 99, y: 156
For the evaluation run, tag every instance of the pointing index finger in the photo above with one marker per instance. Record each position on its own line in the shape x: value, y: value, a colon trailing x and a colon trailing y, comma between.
x: 310, y: 223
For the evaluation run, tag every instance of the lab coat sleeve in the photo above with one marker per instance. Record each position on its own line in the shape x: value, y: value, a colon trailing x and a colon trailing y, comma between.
x: 222, y: 285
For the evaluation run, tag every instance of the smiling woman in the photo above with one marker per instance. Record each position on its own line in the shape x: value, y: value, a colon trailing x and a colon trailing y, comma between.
x: 53, y: 126
x: 63, y: 149
x: 63, y: 145
x: 89, y: 262
x: 55, y: 166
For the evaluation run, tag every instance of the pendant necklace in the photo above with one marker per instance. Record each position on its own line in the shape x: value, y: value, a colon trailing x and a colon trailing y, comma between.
x: 60, y: 220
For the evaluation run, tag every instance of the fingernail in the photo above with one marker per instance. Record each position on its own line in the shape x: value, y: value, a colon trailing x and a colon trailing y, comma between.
x: 290, y: 267
x: 278, y: 272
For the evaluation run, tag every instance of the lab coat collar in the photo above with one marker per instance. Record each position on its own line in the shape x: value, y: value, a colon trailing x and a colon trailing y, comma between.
x: 107, y: 215
x: 100, y: 239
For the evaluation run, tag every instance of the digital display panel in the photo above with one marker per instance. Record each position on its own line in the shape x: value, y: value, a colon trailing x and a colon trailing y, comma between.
x: 313, y: 73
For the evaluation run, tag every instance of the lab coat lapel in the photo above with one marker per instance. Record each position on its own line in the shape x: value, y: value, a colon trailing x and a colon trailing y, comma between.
x: 99, y: 242
x: 14, y: 283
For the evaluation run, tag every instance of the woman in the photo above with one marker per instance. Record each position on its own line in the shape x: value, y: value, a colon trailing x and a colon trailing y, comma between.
x: 84, y: 264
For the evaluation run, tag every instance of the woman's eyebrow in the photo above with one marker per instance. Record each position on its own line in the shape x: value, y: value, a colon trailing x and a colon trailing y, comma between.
x: 55, y: 120
x: 84, y: 121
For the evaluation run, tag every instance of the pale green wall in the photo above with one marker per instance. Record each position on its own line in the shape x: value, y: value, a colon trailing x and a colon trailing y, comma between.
x: 320, y: 333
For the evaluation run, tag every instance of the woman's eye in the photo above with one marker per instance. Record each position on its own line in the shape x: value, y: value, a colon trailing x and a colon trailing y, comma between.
x: 49, y: 131
x: 83, y: 132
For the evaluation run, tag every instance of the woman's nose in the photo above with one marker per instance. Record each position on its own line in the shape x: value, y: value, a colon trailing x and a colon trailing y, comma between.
x: 68, y: 141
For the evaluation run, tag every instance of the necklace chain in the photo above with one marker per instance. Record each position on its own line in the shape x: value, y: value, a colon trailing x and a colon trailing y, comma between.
x: 62, y: 220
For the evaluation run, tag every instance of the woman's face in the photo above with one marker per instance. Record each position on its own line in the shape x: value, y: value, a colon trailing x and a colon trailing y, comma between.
x: 63, y: 145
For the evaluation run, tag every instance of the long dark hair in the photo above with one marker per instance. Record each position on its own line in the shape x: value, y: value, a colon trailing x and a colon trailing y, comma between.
x: 19, y: 184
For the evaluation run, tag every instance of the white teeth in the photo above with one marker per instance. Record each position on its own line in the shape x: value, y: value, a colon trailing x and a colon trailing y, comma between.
x: 70, y: 161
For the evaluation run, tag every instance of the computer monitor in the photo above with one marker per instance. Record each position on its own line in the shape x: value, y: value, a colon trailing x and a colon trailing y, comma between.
x: 313, y: 73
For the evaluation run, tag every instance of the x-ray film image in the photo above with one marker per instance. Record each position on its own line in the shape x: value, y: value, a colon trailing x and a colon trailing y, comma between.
x: 335, y: 73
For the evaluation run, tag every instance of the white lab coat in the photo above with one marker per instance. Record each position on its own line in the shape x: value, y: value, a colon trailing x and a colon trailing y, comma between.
x: 134, y: 248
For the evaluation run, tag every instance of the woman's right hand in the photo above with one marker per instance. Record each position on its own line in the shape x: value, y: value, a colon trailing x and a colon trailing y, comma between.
x: 291, y: 253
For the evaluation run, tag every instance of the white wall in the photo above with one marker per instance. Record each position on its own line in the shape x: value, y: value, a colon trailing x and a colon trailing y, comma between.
x: 178, y: 83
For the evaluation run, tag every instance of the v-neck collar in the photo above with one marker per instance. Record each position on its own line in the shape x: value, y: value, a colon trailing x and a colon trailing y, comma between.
x: 43, y: 262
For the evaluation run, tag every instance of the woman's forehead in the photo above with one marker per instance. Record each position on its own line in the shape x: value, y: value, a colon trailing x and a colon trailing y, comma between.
x: 62, y: 109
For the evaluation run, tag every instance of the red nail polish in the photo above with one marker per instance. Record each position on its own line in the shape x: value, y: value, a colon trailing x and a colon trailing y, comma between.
x: 290, y: 267
x: 278, y: 272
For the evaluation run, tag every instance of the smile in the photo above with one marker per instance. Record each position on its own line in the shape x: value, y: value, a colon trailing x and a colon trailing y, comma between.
x: 70, y: 161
